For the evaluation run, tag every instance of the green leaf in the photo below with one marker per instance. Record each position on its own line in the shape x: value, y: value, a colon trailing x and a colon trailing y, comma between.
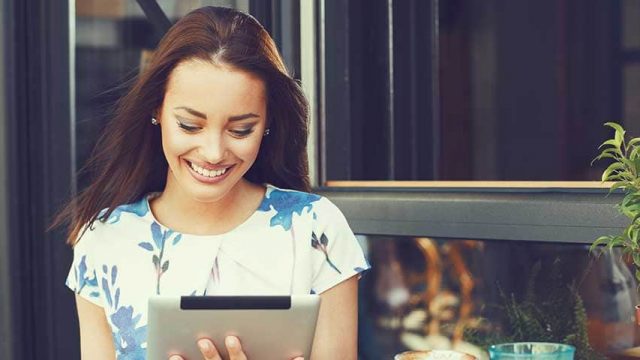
x: 619, y: 136
x: 628, y: 164
x: 602, y: 240
x: 617, y: 127
x: 165, y: 266
x: 635, y: 234
x: 613, y: 167
x: 635, y: 152
x: 619, y: 185
x: 603, y: 155
x: 632, y: 142
x: 612, y: 142
x: 608, y: 151
x: 615, y: 241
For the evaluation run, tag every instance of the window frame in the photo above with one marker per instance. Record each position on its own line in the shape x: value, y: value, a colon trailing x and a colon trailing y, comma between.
x: 560, y: 212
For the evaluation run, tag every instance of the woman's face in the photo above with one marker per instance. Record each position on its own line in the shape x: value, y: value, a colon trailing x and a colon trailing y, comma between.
x: 212, y: 120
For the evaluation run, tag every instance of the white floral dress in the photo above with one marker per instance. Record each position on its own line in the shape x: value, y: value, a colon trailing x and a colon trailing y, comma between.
x: 294, y: 243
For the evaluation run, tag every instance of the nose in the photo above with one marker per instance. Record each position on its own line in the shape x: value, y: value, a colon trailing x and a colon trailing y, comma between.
x: 213, y: 148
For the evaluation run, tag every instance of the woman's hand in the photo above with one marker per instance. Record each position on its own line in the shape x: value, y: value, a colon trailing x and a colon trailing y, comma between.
x: 209, y: 351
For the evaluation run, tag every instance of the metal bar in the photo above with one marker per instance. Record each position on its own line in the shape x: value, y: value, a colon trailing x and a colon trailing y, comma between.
x: 391, y: 172
x: 156, y: 16
x: 435, y: 87
x: 309, y: 77
x: 322, y: 92
x: 572, y: 216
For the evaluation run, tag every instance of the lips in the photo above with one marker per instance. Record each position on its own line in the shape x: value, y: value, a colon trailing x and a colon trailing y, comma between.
x: 211, y: 173
x: 208, y: 176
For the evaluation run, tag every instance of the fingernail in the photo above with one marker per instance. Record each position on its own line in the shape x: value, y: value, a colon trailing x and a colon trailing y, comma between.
x: 231, y: 341
x: 203, y: 345
x: 175, y: 357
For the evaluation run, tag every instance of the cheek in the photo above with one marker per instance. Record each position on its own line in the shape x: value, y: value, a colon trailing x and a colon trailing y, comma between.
x: 248, y: 150
x: 174, y: 145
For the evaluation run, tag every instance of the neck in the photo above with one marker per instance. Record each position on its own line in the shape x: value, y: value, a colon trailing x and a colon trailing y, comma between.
x: 183, y: 213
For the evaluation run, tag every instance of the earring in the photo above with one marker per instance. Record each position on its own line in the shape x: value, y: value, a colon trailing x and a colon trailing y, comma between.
x: 154, y: 121
x: 267, y: 132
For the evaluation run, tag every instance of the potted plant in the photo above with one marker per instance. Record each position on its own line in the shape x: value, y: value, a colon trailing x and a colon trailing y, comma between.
x: 624, y: 174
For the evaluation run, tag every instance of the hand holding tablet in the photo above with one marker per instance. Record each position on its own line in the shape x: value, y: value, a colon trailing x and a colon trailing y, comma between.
x: 232, y: 327
x: 209, y: 352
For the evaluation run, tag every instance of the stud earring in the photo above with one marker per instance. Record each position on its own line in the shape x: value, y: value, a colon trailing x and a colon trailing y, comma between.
x: 267, y: 132
x: 154, y: 121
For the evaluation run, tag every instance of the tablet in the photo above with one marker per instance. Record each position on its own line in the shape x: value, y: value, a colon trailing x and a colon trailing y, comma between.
x: 269, y: 327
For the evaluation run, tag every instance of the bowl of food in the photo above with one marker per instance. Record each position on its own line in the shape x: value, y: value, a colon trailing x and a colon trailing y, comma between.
x: 433, y: 355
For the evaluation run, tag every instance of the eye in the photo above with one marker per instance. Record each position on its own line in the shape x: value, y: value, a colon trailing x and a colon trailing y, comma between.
x: 242, y: 132
x: 187, y: 128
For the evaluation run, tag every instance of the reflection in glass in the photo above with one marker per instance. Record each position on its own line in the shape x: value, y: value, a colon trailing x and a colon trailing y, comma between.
x: 465, y: 295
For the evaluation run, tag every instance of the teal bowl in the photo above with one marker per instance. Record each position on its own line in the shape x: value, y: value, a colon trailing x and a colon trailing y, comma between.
x: 531, y: 351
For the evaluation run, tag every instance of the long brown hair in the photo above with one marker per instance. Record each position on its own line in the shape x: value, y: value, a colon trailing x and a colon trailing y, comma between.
x: 128, y: 162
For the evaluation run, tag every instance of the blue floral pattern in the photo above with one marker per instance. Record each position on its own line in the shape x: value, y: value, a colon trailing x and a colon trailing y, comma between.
x: 128, y: 336
x: 140, y: 208
x: 321, y: 244
x: 287, y: 203
x: 159, y: 238
x: 85, y: 279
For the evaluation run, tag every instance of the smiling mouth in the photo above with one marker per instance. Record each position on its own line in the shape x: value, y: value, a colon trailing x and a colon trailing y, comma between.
x: 208, y: 173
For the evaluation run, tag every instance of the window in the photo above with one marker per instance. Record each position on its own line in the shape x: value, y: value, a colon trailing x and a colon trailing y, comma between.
x: 474, y: 90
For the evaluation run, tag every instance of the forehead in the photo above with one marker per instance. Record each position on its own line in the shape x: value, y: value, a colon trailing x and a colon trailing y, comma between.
x: 215, y: 89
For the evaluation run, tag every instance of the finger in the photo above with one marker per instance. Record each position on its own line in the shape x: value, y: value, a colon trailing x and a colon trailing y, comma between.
x: 176, y: 357
x: 208, y: 350
x: 234, y: 348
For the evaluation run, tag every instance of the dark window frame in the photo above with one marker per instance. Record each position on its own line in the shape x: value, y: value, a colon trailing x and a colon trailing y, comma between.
x: 561, y: 215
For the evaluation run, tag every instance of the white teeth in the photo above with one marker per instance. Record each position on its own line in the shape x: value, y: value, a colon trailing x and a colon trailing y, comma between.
x: 206, y: 172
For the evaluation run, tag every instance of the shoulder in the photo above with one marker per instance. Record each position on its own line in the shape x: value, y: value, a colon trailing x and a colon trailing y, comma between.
x: 321, y: 209
x: 138, y: 209
x: 123, y: 219
x: 285, y: 199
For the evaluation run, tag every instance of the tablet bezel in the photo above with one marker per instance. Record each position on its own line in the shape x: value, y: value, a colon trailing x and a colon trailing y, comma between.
x: 269, y: 327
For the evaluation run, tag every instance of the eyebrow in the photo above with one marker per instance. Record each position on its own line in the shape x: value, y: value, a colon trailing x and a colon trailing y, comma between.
x: 203, y: 116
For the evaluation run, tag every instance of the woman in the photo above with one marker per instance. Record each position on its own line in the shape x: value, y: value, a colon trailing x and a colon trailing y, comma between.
x: 201, y: 188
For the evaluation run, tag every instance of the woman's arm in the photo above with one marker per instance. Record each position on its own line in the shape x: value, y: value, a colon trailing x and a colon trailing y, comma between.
x: 96, y: 342
x: 337, y: 329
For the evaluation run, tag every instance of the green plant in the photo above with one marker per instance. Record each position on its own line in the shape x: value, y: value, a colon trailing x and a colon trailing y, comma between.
x: 550, y: 311
x: 624, y: 172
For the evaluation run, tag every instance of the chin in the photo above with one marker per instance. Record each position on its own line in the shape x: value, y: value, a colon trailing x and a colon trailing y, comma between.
x: 206, y: 193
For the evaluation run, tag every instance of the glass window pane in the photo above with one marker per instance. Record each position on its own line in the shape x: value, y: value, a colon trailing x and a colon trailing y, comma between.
x: 631, y: 76
x: 465, y: 294
x: 630, y: 25
x: 473, y: 90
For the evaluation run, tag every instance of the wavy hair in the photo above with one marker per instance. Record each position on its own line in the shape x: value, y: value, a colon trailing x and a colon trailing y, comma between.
x: 128, y: 162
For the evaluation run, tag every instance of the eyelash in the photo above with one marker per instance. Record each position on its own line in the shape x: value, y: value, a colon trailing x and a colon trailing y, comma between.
x: 237, y: 133
x: 188, y: 128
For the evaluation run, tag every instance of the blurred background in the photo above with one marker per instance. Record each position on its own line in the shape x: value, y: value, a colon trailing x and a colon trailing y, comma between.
x: 428, y: 91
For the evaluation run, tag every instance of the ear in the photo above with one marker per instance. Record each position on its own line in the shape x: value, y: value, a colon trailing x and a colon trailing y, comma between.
x: 156, y: 114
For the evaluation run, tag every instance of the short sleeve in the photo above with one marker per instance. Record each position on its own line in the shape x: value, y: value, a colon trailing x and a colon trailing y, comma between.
x: 337, y: 252
x: 82, y: 278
